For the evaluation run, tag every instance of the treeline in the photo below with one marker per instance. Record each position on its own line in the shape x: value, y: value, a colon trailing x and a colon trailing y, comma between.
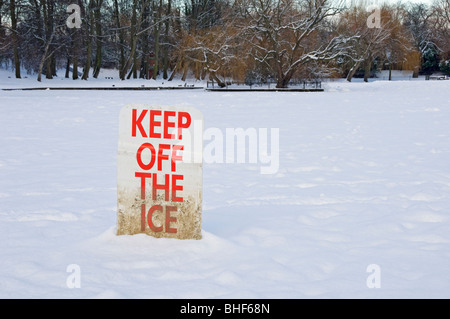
x: 244, y: 40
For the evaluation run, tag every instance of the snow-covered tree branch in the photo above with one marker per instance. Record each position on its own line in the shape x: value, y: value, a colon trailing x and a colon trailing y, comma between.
x: 287, y: 34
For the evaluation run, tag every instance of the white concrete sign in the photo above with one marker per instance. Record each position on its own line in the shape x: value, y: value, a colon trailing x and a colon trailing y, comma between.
x: 159, y: 171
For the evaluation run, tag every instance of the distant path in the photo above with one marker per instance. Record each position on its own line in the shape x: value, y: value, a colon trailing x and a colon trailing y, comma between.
x: 169, y: 88
x: 107, y: 88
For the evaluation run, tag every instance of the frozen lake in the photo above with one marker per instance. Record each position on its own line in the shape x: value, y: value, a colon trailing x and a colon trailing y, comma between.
x: 357, y: 207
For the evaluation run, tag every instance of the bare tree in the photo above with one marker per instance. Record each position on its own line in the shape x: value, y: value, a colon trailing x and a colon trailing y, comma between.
x: 89, y: 29
x: 440, y: 25
x: 214, y: 51
x: 287, y: 34
x: 419, y: 20
x: 398, y: 44
x: 222, y: 39
x: 98, y: 37
x: 135, y: 32
x: 371, y: 40
x: 121, y: 36
x: 2, y: 30
x: 15, y: 37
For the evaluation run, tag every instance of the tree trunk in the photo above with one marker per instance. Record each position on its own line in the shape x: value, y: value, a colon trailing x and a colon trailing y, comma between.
x: 144, y: 65
x: 215, y: 78
x: 43, y: 58
x: 87, y: 65
x: 75, y: 68
x: 166, y: 39
x: 175, y: 69
x: 416, y: 72
x: 198, y: 66
x: 203, y: 74
x: 284, y: 79
x: 53, y: 65
x: 143, y: 70
x: 48, y: 21
x: 15, y: 38
x: 66, y: 75
x: 353, y: 70
x: 48, y: 67
x: 75, y: 48
x: 121, y: 36
x: 282, y: 83
x: 367, y: 68
x: 89, y: 32
x: 133, y: 42
x: 130, y: 73
x: 2, y: 31
x: 135, y: 65
x: 98, y: 35
x: 157, y: 31
x: 185, y: 71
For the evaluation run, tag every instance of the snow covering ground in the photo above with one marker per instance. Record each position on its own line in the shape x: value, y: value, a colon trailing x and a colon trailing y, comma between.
x: 363, y: 180
x: 106, y: 78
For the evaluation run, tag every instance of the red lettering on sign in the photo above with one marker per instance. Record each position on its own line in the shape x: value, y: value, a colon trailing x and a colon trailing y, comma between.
x: 181, y: 125
x: 176, y: 157
x: 137, y: 122
x: 139, y: 156
x: 176, y: 188
x: 150, y: 156
x: 154, y: 124
x: 150, y: 218
x: 143, y: 176
x: 171, y: 120
x: 168, y: 124
x: 170, y: 219
x: 165, y: 186
x: 162, y: 156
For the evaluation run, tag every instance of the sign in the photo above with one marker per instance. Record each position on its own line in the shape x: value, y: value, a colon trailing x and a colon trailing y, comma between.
x: 159, y: 172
